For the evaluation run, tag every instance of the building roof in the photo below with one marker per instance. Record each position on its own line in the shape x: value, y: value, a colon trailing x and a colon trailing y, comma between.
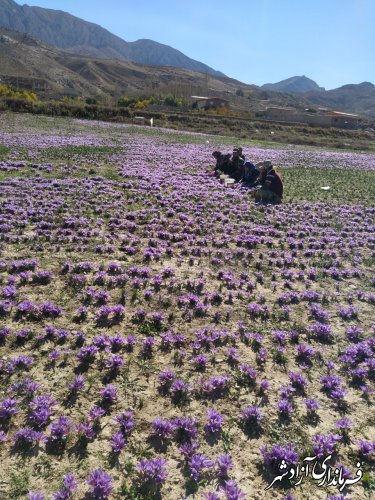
x: 208, y: 98
x: 283, y: 108
x: 342, y: 115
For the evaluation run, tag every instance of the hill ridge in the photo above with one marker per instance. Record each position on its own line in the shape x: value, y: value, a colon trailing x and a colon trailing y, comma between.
x: 298, y: 84
x: 65, y: 31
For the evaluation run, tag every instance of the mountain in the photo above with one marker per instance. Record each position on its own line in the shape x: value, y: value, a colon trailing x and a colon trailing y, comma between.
x: 62, y: 30
x: 356, y: 98
x: 30, y: 63
x: 299, y: 84
x: 52, y: 73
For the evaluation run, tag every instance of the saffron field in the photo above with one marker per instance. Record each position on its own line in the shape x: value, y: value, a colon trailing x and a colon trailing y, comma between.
x: 164, y: 337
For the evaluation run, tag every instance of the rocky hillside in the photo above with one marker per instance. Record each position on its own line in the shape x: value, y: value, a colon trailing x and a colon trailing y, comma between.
x: 62, y: 30
x: 29, y: 63
x: 355, y: 98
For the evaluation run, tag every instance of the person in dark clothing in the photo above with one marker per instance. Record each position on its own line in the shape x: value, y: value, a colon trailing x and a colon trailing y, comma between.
x: 237, y: 165
x: 223, y: 162
x: 251, y: 175
x: 240, y: 154
x: 272, y: 188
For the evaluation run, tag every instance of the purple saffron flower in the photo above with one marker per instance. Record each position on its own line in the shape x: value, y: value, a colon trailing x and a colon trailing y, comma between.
x: 248, y: 374
x: 70, y: 482
x: 264, y: 385
x: 321, y: 332
x: 210, y: 496
x: 117, y: 442
x: 311, y: 405
x: 85, y: 431
x: 261, y: 355
x: 348, y: 313
x: 54, y: 355
x: 109, y: 394
x: 186, y: 428
x: 274, y: 456
x: 114, y: 362
x: 41, y: 410
x: 4, y: 333
x: 70, y: 486
x: 126, y: 421
x: 60, y: 429
x: 232, y: 355
x: 87, y: 354
x: 223, y: 465
x: 366, y: 449
x: 231, y: 490
x: 179, y: 389
x: 197, y: 463
x: 280, y: 336
x: 50, y: 310
x: 332, y: 386
x: 27, y: 437
x: 147, y: 345
x: 284, y: 408
x: 95, y: 414
x: 36, y: 495
x: 152, y: 471
x: 214, y: 421
x: 251, y: 416
x: 8, y: 408
x: 189, y: 449
x: 200, y: 361
x: 289, y: 497
x: 344, y: 423
x: 77, y: 384
x: 100, y: 484
x: 304, y: 355
x: 130, y: 342
x: 354, y: 333
x: 325, y: 444
x: 164, y: 429
x: 298, y: 381
x: 166, y: 377
x: 318, y: 313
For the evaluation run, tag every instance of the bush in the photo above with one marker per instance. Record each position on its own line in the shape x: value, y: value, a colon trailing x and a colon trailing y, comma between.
x: 18, y: 94
x: 170, y: 100
x: 125, y: 102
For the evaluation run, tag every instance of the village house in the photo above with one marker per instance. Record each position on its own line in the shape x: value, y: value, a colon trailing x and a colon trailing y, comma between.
x: 319, y: 118
x: 279, y: 113
x: 343, y: 120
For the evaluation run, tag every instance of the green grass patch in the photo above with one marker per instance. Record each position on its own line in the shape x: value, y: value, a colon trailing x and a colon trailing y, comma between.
x: 4, y: 151
x: 19, y: 484
x: 16, y: 173
x: 346, y: 186
x: 66, y: 152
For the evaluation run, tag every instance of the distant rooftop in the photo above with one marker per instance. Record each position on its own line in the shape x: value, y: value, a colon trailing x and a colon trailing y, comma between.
x: 200, y: 98
x: 339, y: 113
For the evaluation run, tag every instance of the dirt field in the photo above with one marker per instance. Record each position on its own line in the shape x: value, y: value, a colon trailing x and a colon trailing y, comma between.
x: 162, y: 336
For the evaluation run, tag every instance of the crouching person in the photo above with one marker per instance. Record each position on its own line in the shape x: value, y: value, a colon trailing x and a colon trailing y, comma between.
x: 271, y: 184
x: 223, y: 163
x: 250, y: 175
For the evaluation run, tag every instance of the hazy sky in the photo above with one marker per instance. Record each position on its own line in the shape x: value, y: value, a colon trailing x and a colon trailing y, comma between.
x: 254, y: 41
